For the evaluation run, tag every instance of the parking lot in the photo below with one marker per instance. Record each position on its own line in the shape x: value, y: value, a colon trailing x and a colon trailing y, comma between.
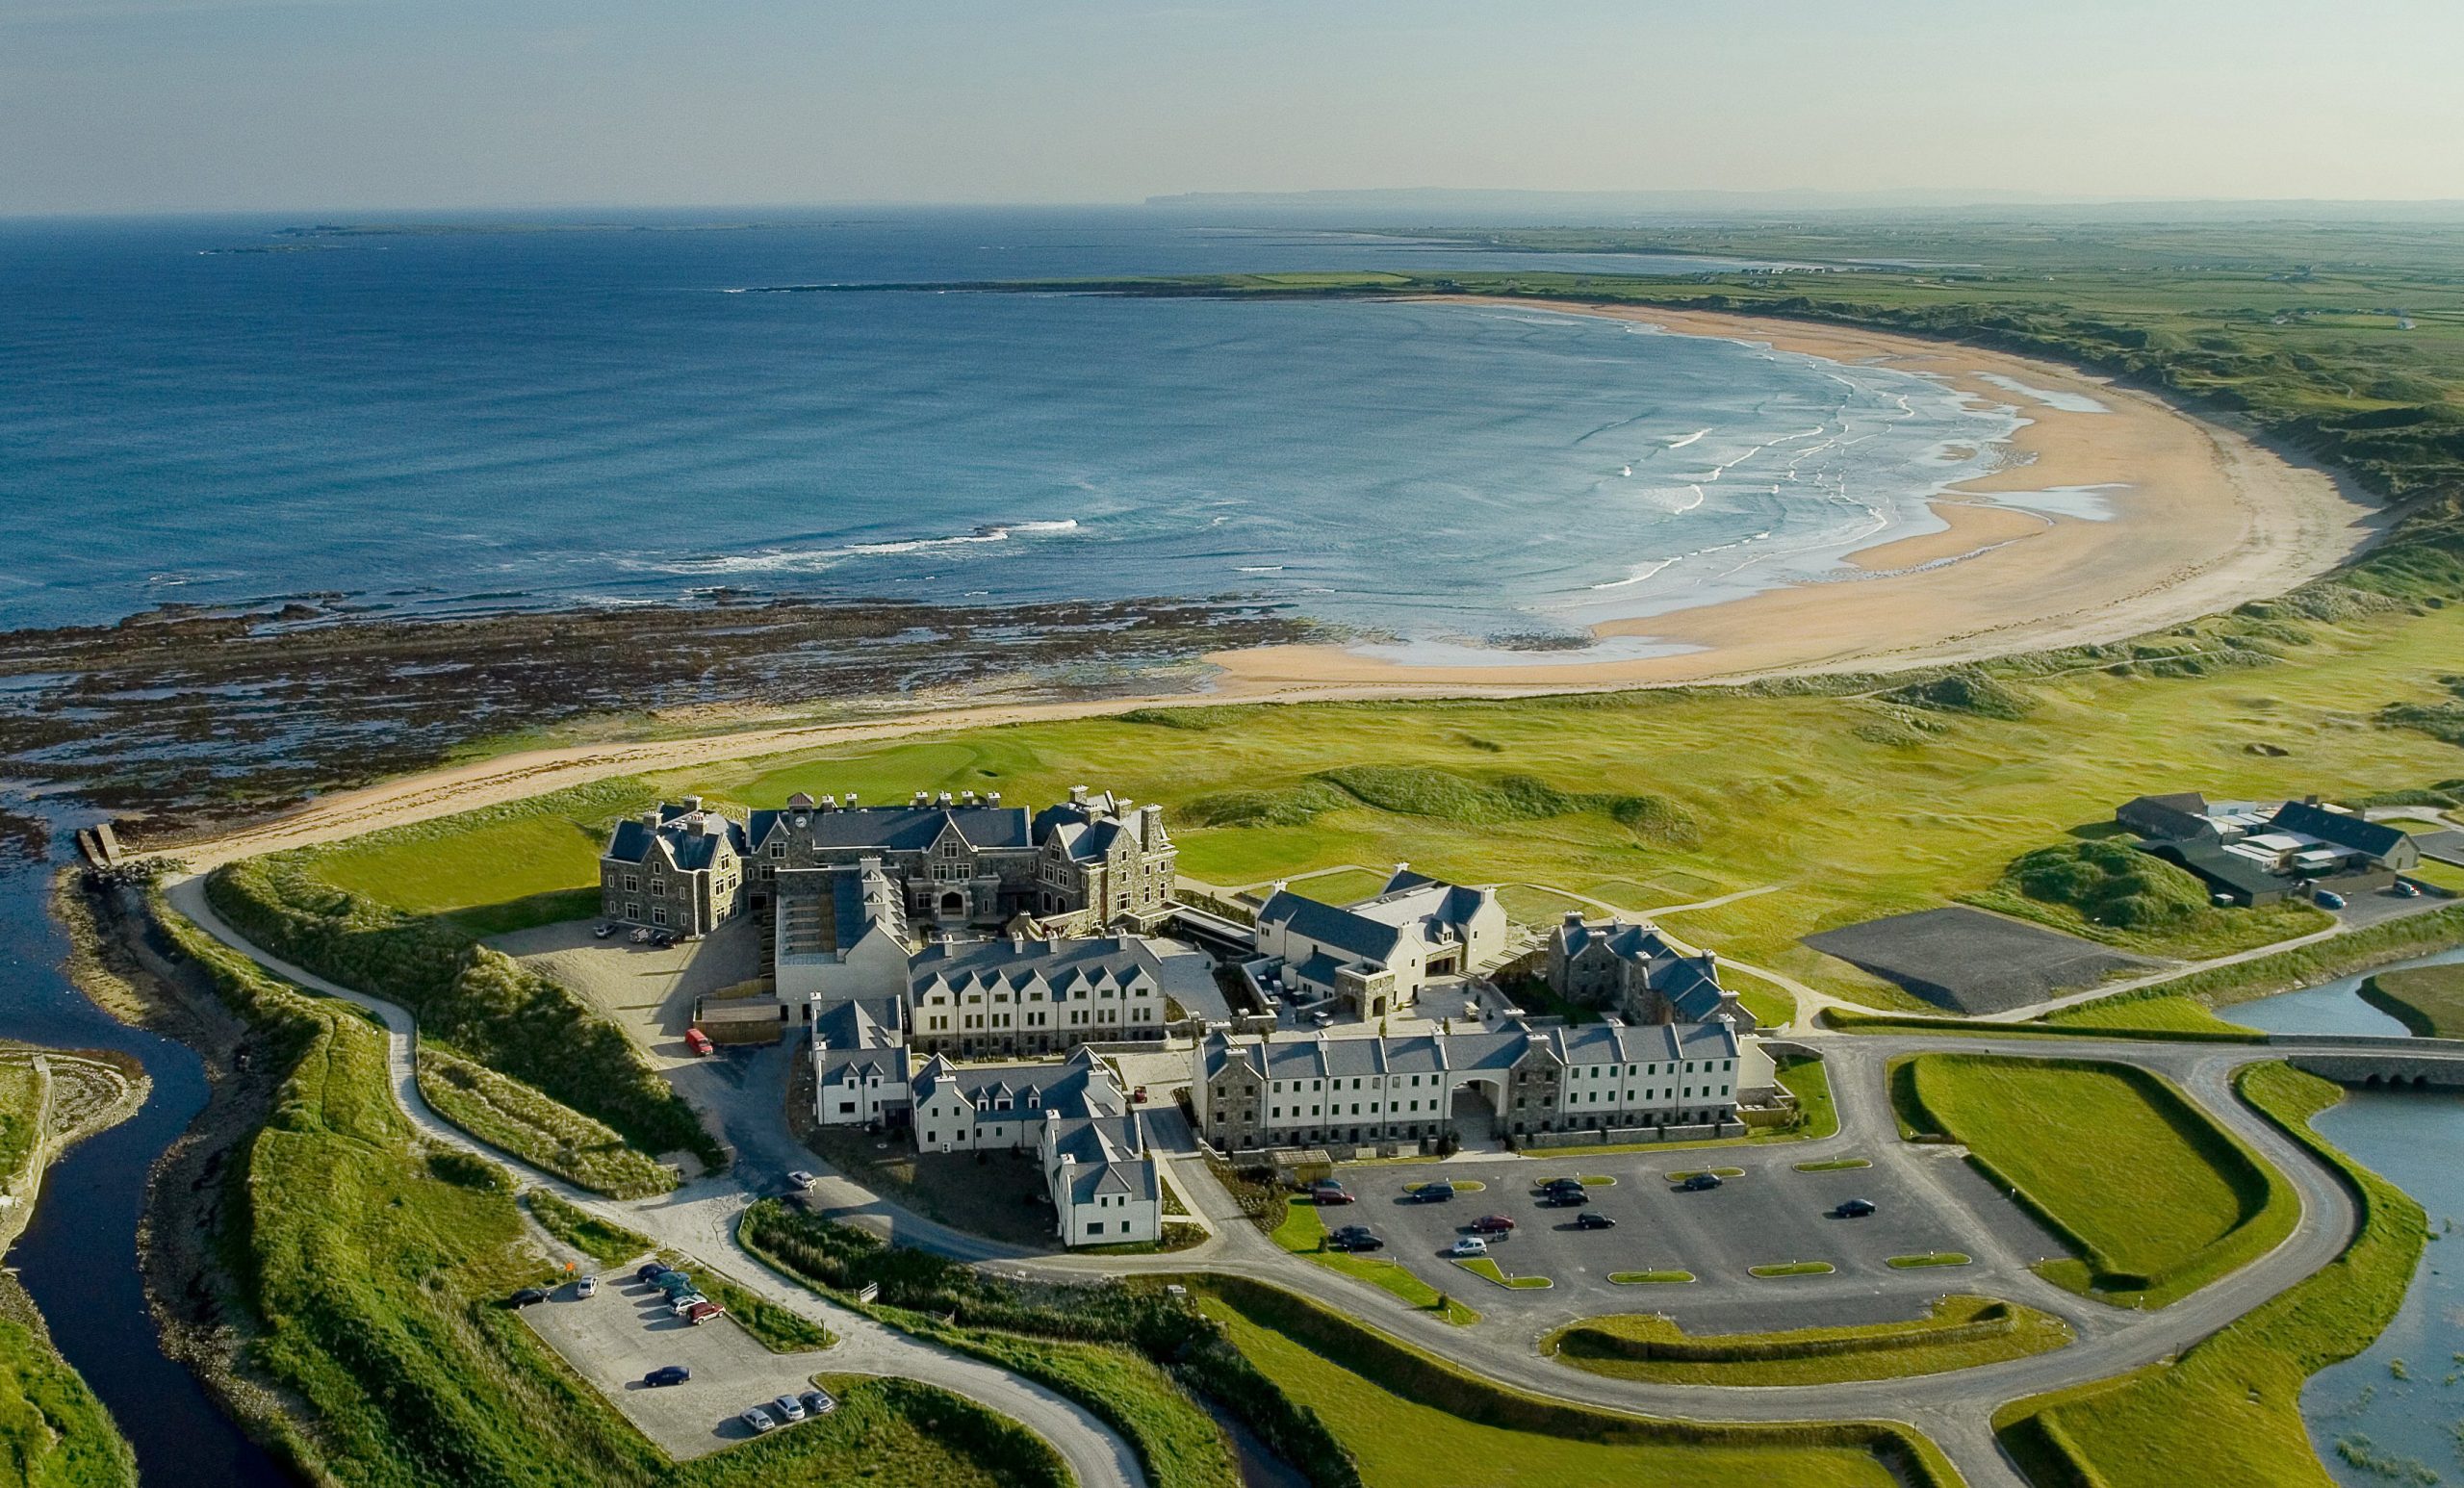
x: 614, y: 1339
x: 1770, y: 1214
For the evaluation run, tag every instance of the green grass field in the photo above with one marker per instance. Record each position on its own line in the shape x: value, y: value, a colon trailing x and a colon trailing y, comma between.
x: 1955, y: 1332
x: 1487, y: 1269
x: 372, y: 1274
x: 1781, y: 1271
x: 1651, y: 1278
x: 2229, y: 1409
x: 2173, y: 1200
x: 20, y: 1118
x: 1876, y: 827
x: 53, y: 1432
x: 2427, y: 1000
x: 610, y: 1245
x: 1408, y: 1418
x: 2173, y: 1014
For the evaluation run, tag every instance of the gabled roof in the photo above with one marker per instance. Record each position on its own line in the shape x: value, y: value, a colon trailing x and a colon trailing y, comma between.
x: 1691, y: 984
x: 686, y: 837
x: 1107, y: 1156
x: 896, y: 829
x: 1330, y: 925
x: 1064, y: 966
x: 2376, y: 838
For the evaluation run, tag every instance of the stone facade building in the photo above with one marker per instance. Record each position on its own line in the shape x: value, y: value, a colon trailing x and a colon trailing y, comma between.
x: 1378, y: 954
x: 678, y: 868
x: 1635, y: 972
x: 1255, y: 1092
x: 1088, y: 864
x: 1012, y: 996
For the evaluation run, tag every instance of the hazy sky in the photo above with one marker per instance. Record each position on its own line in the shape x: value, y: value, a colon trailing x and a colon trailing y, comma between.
x: 136, y: 105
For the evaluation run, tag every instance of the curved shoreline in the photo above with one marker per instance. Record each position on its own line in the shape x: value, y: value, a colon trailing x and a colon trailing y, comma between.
x: 2200, y: 518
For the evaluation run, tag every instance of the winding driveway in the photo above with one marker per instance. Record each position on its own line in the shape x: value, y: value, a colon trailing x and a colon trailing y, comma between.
x: 1955, y: 1409
x: 701, y: 1219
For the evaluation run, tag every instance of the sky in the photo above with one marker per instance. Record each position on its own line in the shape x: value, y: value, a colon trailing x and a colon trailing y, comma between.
x: 132, y: 106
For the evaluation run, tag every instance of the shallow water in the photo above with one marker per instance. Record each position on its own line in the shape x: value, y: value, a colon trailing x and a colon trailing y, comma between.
x: 2415, y: 1138
x: 547, y: 416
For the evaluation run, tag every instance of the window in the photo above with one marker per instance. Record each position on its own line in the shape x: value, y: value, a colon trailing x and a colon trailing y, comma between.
x: 633, y: 883
x: 1095, y: 1226
x: 658, y: 914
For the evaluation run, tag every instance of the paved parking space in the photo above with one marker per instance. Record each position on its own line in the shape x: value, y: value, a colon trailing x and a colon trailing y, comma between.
x: 1772, y: 1214
x: 613, y: 1338
x: 1972, y: 962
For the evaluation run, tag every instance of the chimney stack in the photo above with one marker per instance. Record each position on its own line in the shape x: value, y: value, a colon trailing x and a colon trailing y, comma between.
x: 692, y: 803
x: 649, y: 819
x: 850, y: 801
x: 830, y: 803
x: 992, y: 798
x: 1077, y: 795
x: 1150, y: 824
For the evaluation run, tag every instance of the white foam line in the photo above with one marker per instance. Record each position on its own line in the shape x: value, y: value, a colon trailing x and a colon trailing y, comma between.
x: 1679, y: 444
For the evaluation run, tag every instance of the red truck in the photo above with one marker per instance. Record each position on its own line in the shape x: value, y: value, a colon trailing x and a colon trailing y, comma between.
x: 698, y: 1041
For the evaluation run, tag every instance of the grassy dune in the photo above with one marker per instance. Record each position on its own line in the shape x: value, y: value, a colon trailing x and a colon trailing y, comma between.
x: 2427, y: 1000
x: 2173, y: 1200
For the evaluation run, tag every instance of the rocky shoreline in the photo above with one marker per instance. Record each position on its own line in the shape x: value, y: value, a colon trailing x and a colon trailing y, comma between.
x: 180, y: 719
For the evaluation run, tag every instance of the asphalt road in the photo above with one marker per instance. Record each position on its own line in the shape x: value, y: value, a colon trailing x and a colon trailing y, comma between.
x: 698, y: 1219
x: 1953, y: 1409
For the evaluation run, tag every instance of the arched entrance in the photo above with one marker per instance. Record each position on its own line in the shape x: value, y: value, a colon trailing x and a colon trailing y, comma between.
x: 953, y: 903
x: 1473, y: 1107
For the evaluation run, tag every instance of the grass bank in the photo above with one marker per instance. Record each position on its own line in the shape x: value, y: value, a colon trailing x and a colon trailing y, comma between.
x: 2174, y: 1201
x: 2229, y: 1409
x: 1955, y: 1332
x: 2427, y: 1000
x: 514, y: 1117
x: 370, y: 1273
x: 481, y: 1005
x: 1411, y: 1418
x: 607, y: 1243
x: 2307, y: 965
x: 1137, y: 1357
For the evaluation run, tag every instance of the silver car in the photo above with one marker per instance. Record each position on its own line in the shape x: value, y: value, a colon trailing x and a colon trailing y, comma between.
x: 759, y: 1421
x: 788, y: 1407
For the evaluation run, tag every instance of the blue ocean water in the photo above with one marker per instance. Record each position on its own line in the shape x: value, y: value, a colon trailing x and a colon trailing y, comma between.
x: 210, y: 410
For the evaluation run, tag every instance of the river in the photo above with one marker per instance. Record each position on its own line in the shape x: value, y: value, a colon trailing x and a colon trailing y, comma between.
x: 2392, y: 1404
x: 78, y: 1257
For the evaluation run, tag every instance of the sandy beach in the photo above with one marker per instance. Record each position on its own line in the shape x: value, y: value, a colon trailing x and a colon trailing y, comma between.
x: 2200, y: 519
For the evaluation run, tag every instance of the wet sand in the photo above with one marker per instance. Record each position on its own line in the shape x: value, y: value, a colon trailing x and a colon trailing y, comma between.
x: 2201, y: 519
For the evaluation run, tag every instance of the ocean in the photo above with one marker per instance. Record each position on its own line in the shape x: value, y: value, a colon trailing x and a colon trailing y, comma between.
x: 547, y: 413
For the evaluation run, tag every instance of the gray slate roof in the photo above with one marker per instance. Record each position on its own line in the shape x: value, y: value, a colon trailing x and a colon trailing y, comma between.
x: 899, y: 829
x: 2376, y: 838
x: 691, y: 839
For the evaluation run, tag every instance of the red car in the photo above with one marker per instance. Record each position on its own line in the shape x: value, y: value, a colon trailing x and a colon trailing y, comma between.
x: 1493, y: 1225
x: 698, y: 1041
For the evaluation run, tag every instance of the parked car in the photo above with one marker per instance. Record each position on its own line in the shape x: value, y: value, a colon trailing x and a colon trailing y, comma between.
x: 670, y: 1279
x: 698, y: 1042
x: 649, y: 1271
x: 703, y: 1312
x: 2407, y: 889
x: 685, y: 1304
x: 667, y: 1374
x: 662, y: 939
x: 527, y: 1297
x: 759, y: 1421
x: 602, y: 930
x: 2328, y: 899
x: 819, y: 1402
x: 1594, y: 1219
x: 1138, y: 1096
x: 588, y: 1286
x: 1852, y: 1209
x: 801, y: 1180
x: 1354, y: 1237
x: 640, y: 936
x: 1566, y: 1198
x: 1328, y: 1192
x: 1467, y: 1244
x: 1437, y: 1192
x: 1699, y: 1182
x: 1323, y: 1019
x: 788, y: 1407
x: 1492, y: 1225
x: 1561, y: 1186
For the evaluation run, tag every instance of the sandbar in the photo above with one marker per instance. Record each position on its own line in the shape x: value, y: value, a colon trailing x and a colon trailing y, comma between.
x: 2200, y: 519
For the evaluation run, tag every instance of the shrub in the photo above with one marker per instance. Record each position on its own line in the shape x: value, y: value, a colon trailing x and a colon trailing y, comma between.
x: 2109, y: 882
